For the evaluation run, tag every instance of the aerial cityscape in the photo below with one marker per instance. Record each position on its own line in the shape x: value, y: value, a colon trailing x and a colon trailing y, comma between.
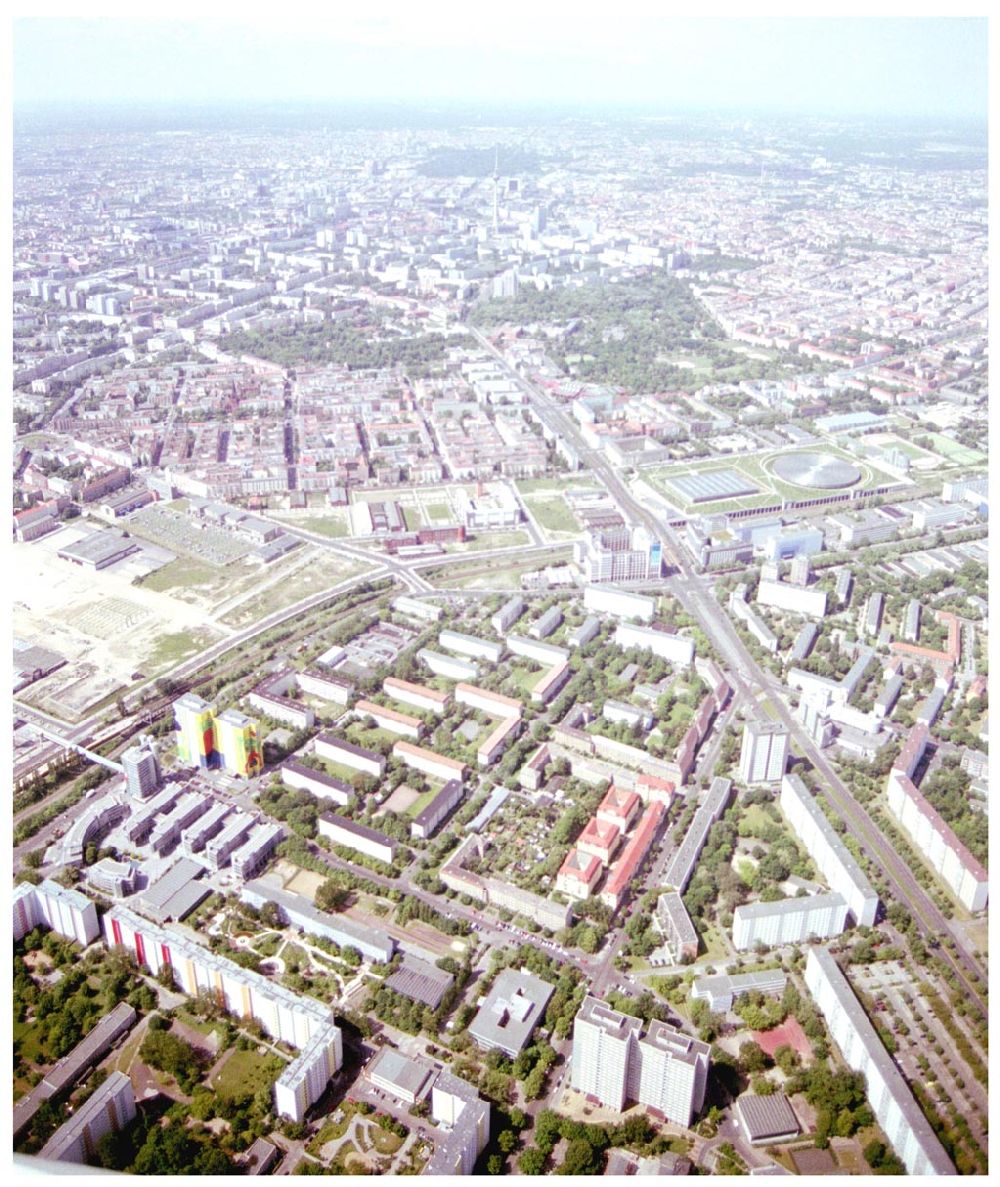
x: 500, y: 634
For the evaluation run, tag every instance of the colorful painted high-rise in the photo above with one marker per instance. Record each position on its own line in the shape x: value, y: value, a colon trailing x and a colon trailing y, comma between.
x: 238, y: 744
x: 196, y: 739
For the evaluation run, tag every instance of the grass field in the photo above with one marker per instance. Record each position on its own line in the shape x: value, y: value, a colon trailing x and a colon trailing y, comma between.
x: 421, y: 802
x: 553, y: 515
x: 312, y: 575
x: 528, y: 486
x: 182, y: 572
x: 170, y: 650
x: 956, y: 453
x: 246, y: 1071
x: 437, y: 511
x: 325, y: 525
x: 487, y: 541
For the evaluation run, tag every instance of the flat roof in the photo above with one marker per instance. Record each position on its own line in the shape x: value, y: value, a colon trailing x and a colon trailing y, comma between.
x: 403, y: 1073
x: 513, y: 1008
x: 789, y: 906
x: 421, y: 982
x: 176, y: 893
x: 766, y: 1117
x: 101, y: 546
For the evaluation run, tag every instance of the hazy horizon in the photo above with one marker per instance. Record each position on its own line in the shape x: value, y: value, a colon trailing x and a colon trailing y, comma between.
x: 886, y: 68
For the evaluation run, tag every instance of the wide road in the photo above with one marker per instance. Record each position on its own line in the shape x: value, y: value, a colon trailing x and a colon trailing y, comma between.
x: 693, y: 592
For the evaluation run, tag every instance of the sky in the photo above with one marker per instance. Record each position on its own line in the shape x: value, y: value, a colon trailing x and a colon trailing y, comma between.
x: 545, y: 51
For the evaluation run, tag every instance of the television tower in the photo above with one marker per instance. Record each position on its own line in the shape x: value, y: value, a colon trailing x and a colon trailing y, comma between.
x: 496, y: 189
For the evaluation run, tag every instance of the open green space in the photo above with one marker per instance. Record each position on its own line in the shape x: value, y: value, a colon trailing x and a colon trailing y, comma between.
x: 488, y: 541
x: 324, y: 525
x: 564, y: 482
x: 245, y: 1072
x: 182, y: 572
x: 438, y: 511
x: 553, y: 514
x: 171, y: 650
x: 955, y: 452
x: 421, y: 802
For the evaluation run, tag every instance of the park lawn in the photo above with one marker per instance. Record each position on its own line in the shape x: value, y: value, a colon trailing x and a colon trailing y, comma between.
x: 371, y: 737
x: 201, y: 1025
x: 529, y: 486
x: 338, y: 770
x: 384, y: 1141
x: 438, y: 511
x: 246, y: 1071
x: 33, y: 1049
x: 525, y: 677
x: 754, y: 819
x: 554, y: 515
x: 414, y: 520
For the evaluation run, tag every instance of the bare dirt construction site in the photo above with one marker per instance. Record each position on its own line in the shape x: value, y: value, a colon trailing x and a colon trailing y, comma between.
x: 111, y: 623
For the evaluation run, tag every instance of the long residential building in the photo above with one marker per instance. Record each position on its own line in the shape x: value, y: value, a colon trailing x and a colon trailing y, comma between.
x: 782, y: 596
x: 900, y: 1116
x: 493, y: 703
x: 440, y: 806
x: 448, y: 665
x: 674, y: 923
x: 472, y: 645
x: 675, y: 648
x: 619, y: 603
x: 346, y: 754
x: 550, y: 682
x: 822, y: 842
x: 390, y: 720
x: 430, y: 700
x: 545, y: 654
x: 317, y: 783
x: 632, y: 856
x: 350, y: 835
x: 952, y: 861
x: 110, y: 1108
x: 788, y: 921
x: 438, y: 766
x: 681, y: 867
x: 507, y: 615
x: 284, y: 1015
x: 494, y: 745
x: 300, y: 912
x: 544, y: 911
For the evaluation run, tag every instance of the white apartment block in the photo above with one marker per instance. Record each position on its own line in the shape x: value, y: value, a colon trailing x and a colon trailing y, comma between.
x: 306, y: 1077
x: 417, y: 608
x: 619, y: 603
x: 283, y: 1014
x: 764, y: 752
x: 493, y: 703
x: 390, y: 720
x: 901, y: 1118
x: 348, y: 755
x: 546, y: 654
x: 612, y: 1062
x: 110, y: 1108
x: 789, y: 921
x: 951, y: 860
x: 811, y: 602
x: 447, y: 665
x: 675, y: 648
x: 822, y: 842
x: 431, y: 700
x: 342, y: 831
x: 471, y: 645
x: 67, y: 912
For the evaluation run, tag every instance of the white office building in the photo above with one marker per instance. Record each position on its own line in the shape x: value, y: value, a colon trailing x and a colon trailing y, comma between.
x: 811, y: 602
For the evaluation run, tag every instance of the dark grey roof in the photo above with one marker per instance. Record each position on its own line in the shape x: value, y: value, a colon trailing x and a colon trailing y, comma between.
x: 421, y: 982
x: 766, y: 1117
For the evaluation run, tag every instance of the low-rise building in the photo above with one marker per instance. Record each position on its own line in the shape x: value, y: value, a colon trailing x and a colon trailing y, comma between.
x: 444, y: 801
x: 346, y: 754
x: 359, y: 837
x: 512, y: 1009
x: 579, y: 874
